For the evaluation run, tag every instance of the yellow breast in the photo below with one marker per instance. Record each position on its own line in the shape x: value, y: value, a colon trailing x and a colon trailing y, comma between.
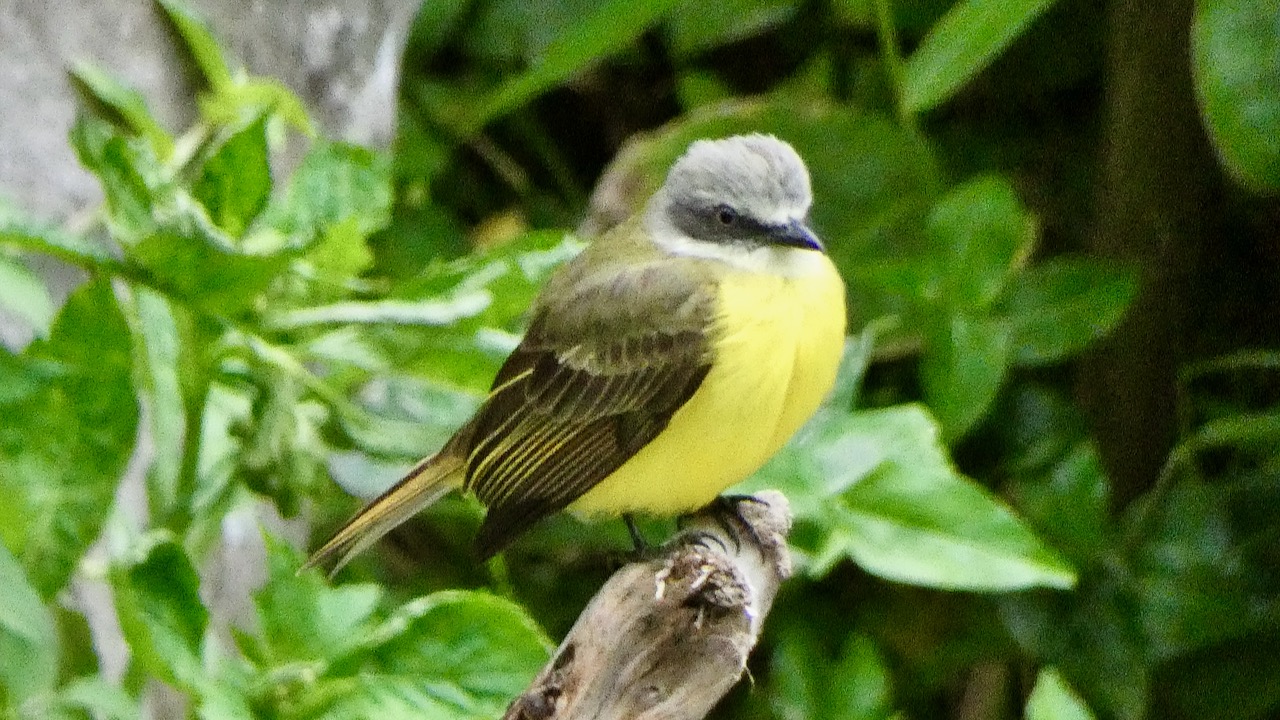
x: 779, y: 341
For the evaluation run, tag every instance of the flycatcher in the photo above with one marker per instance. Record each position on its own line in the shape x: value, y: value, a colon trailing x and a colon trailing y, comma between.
x: 666, y: 362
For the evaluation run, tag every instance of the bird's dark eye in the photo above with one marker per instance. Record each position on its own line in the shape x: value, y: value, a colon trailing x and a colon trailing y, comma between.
x: 726, y: 215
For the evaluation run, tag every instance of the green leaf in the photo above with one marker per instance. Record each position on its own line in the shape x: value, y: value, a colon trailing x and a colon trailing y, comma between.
x: 24, y: 295
x: 960, y: 45
x: 1197, y: 584
x: 122, y: 168
x: 1057, y: 308
x: 100, y: 699
x: 808, y: 682
x: 302, y: 618
x: 205, y: 271
x: 28, y: 642
x: 1092, y: 637
x: 877, y: 487
x: 36, y: 237
x: 1235, y: 62
x: 479, y: 651
x: 336, y: 183
x: 120, y: 105
x: 981, y: 234
x: 235, y: 181
x: 697, y: 27
x: 157, y: 360
x: 1070, y: 504
x: 59, y: 465
x: 161, y: 613
x: 965, y: 363
x: 1053, y: 699
x: 255, y: 96
x: 384, y: 312
x: 611, y: 25
x: 200, y: 43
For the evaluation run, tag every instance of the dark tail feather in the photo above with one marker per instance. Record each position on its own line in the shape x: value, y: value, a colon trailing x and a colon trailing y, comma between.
x: 426, y: 483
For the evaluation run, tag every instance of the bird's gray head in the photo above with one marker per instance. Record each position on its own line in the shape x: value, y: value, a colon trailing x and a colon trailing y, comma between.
x: 750, y: 191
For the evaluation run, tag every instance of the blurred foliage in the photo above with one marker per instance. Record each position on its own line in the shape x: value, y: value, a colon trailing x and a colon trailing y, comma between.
x: 267, y: 336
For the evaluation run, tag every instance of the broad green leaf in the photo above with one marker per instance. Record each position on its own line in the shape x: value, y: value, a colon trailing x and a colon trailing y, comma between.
x: 302, y: 618
x: 200, y: 43
x: 1057, y: 308
x: 336, y: 183
x: 28, y: 642
x: 980, y: 236
x: 161, y: 613
x: 23, y: 294
x: 203, y: 270
x: 1235, y: 62
x: 120, y: 104
x: 60, y: 464
x: 965, y: 363
x: 469, y: 651
x: 960, y: 45
x: 878, y: 488
x: 1053, y: 699
x: 612, y: 25
x: 698, y: 27
x: 235, y: 180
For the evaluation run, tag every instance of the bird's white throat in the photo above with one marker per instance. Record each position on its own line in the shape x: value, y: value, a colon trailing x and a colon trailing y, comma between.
x: 772, y: 259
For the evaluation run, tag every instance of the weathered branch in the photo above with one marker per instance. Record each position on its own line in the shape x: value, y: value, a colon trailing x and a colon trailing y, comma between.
x: 666, y: 638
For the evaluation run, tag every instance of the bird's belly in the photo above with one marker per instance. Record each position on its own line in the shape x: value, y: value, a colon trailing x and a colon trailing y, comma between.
x: 780, y: 343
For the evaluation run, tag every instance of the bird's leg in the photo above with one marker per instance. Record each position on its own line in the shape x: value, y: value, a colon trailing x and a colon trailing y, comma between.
x: 637, y: 539
x: 728, y: 517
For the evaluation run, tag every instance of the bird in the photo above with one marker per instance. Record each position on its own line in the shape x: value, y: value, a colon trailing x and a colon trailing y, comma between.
x: 666, y: 362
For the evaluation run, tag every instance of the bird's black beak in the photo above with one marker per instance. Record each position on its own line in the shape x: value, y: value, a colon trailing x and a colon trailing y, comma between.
x: 795, y: 234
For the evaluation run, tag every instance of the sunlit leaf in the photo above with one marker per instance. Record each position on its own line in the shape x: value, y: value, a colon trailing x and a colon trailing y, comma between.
x: 59, y: 464
x: 200, y: 42
x: 235, y: 180
x: 302, y: 618
x: 120, y: 104
x: 1053, y: 699
x: 479, y: 651
x: 157, y: 362
x: 878, y: 488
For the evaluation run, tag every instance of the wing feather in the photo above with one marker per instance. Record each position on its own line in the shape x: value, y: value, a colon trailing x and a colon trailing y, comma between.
x: 588, y: 387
